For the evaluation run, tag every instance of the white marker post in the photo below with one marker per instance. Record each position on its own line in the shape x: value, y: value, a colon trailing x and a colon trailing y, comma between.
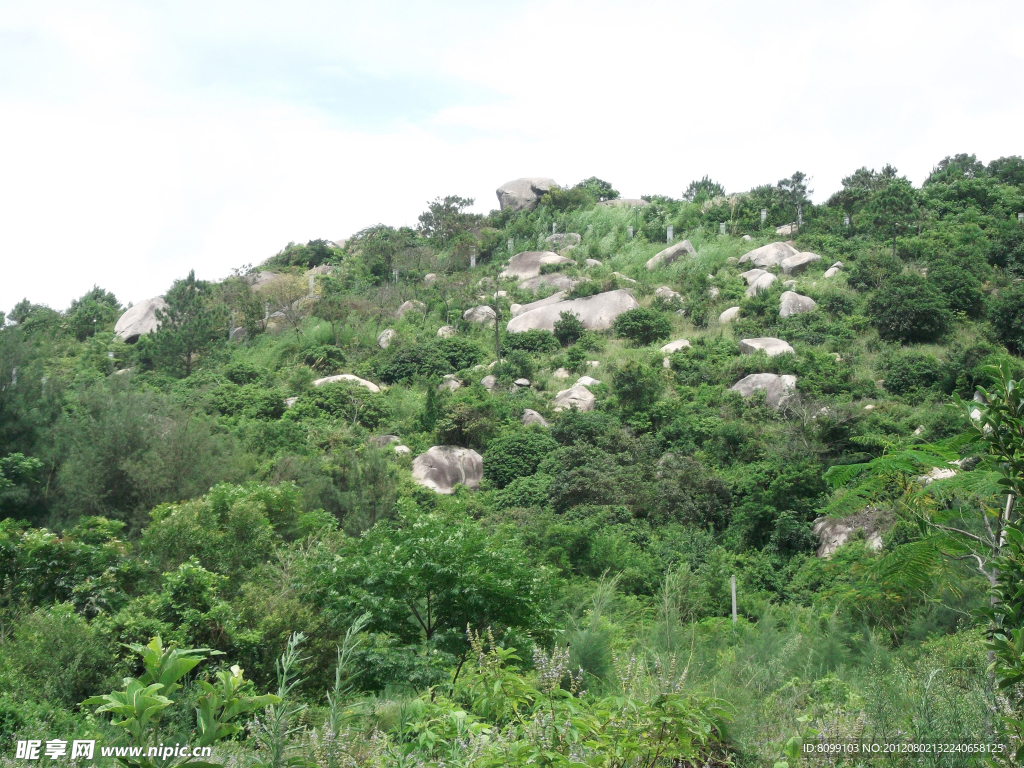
x: 764, y: 215
x: 734, y: 600
x: 629, y: 232
x: 670, y: 234
x: 511, y: 246
x: 721, y: 228
x: 846, y: 221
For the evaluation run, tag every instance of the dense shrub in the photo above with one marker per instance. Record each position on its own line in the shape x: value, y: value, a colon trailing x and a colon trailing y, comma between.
x: 874, y: 270
x: 1006, y: 313
x: 242, y: 373
x: 430, y: 359
x: 909, y: 309
x: 643, y: 326
x: 323, y: 358
x: 341, y: 400
x: 908, y: 372
x: 534, y: 340
x: 960, y: 287
x: 251, y: 401
x: 516, y: 455
x: 568, y: 328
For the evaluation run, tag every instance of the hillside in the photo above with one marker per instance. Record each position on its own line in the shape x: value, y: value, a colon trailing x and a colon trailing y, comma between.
x: 473, y: 493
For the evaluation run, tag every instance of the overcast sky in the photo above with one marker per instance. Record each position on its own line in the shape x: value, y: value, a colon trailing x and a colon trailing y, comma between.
x: 141, y: 140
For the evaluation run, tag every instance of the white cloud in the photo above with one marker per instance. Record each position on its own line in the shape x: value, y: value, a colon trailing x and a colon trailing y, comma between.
x: 139, y: 142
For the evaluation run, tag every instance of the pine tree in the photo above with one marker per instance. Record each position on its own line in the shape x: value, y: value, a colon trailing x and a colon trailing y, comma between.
x: 191, y: 325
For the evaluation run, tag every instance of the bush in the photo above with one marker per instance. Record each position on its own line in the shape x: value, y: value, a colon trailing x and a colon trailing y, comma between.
x: 643, y: 326
x: 568, y: 328
x: 637, y: 386
x: 535, y: 340
x: 242, y: 373
x: 324, y: 358
x: 251, y: 401
x: 908, y: 372
x: 961, y: 288
x: 1006, y: 313
x: 874, y: 270
x: 516, y: 455
x: 342, y: 400
x: 909, y: 309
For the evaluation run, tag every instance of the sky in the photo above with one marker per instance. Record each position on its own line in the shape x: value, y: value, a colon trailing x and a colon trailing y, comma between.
x: 139, y: 140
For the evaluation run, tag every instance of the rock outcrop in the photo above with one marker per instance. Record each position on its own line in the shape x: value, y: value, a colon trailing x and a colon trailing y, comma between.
x: 770, y: 255
x: 139, y: 320
x: 429, y: 279
x: 527, y: 264
x: 794, y: 265
x: 751, y: 275
x: 530, y: 416
x: 517, y: 309
x: 671, y: 254
x: 771, y: 346
x: 833, y: 532
x: 481, y: 314
x: 385, y: 338
x: 553, y: 280
x: 523, y: 194
x: 777, y: 389
x: 597, y: 313
x: 578, y: 397
x: 763, y: 283
x: 791, y: 303
x: 586, y: 381
x: 350, y: 378
x: 410, y: 306
x: 729, y: 315
x: 834, y: 270
x: 443, y: 467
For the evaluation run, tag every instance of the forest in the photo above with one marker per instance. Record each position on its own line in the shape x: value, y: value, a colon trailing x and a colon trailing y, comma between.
x: 723, y: 479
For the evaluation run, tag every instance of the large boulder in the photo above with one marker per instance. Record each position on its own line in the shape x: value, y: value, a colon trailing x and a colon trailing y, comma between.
x: 446, y: 331
x: 623, y: 277
x: 794, y: 265
x: 481, y: 314
x: 558, y: 282
x: 586, y: 381
x: 352, y: 379
x: 443, y: 467
x: 385, y: 338
x: 791, y: 303
x: 429, y: 279
x: 777, y: 389
x: 751, y: 275
x: 518, y: 309
x: 624, y: 202
x: 833, y: 532
x: 770, y: 255
x: 263, y: 279
x: 593, y: 263
x: 597, y: 313
x: 834, y: 270
x: 675, y: 346
x: 139, y: 320
x: 523, y: 194
x: 729, y: 315
x: 527, y: 264
x: 767, y: 344
x: 410, y: 306
x: 563, y: 241
x: 530, y: 416
x: 763, y: 283
x: 578, y: 397
x: 666, y: 293
x: 670, y: 254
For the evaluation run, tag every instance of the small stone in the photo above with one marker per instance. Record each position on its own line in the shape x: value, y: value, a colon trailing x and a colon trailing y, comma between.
x: 429, y: 279
x: 578, y: 397
x: 791, y: 303
x: 592, y: 263
x: 666, y: 293
x: 522, y: 382
x: 481, y: 314
x: 530, y: 416
x: 489, y: 382
x: 763, y: 283
x: 446, y: 331
x: 402, y: 450
x: 675, y: 346
x: 713, y: 292
x: 729, y: 315
x: 560, y: 373
x: 409, y: 306
x: 385, y: 338
x: 769, y: 345
x: 586, y: 381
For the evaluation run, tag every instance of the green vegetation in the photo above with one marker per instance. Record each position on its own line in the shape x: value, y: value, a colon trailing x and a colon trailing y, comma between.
x: 204, y: 539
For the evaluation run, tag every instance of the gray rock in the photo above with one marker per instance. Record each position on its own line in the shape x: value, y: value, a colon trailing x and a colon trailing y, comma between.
x: 449, y: 384
x: 489, y: 382
x: 563, y: 241
x: 763, y: 283
x: 729, y: 315
x: 139, y: 320
x: 385, y: 338
x: 530, y: 416
x: 833, y: 532
x: 623, y: 277
x: 789, y: 284
x: 794, y: 304
x: 671, y: 254
x: 517, y: 309
x: 560, y: 373
x: 751, y: 275
x: 777, y: 389
x: 410, y: 306
x: 578, y: 397
x: 713, y: 292
x: 264, y: 278
x: 832, y: 272
x: 481, y: 314
x: 771, y: 346
x: 597, y: 313
x: 444, y: 466
x: 429, y: 279
x: 770, y: 255
x: 522, y: 382
x: 794, y: 265
x: 746, y: 237
x: 446, y: 331
x: 288, y: 401
x: 527, y: 264
x: 592, y: 263
x: 349, y: 378
x: 402, y: 450
x: 664, y: 292
x: 556, y: 281
x: 238, y: 334
x: 675, y: 346
x: 382, y: 441
x: 838, y: 265
x: 586, y: 381
x: 624, y: 202
x: 786, y: 229
x: 523, y: 194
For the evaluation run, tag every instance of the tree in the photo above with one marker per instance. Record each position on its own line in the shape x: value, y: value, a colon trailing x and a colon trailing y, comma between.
x: 909, y: 309
x: 954, y: 168
x: 516, y: 455
x: 643, y: 326
x: 1009, y: 170
x: 598, y: 188
x: 568, y: 328
x: 893, y: 208
x: 288, y: 300
x: 701, y: 191
x: 95, y: 310
x: 426, y: 577
x: 1006, y: 313
x: 191, y: 325
x: 446, y: 218
x: 637, y: 386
